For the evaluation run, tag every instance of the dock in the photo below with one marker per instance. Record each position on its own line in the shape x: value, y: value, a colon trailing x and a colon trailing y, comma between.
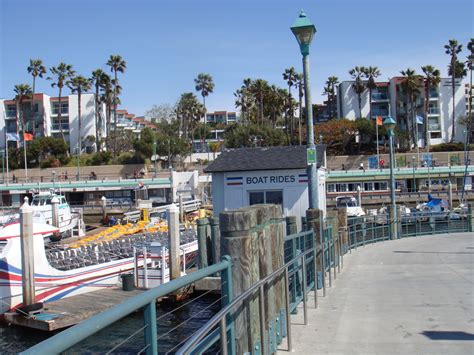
x: 69, y: 311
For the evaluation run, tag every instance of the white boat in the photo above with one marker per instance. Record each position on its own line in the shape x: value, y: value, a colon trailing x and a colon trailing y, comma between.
x: 351, y: 205
x: 63, y: 272
x: 43, y: 213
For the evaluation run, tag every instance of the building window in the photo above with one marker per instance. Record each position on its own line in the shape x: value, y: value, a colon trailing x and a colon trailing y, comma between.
x: 64, y: 108
x: 270, y: 196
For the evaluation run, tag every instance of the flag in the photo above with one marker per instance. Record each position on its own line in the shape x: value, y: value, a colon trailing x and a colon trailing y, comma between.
x: 419, y: 119
x: 27, y: 137
x: 379, y: 121
x: 13, y: 137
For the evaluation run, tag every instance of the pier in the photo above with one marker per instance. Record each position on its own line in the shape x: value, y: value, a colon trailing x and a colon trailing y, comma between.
x: 412, y: 295
x: 70, y: 311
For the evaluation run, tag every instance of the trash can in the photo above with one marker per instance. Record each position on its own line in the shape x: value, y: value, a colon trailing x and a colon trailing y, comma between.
x: 127, y: 282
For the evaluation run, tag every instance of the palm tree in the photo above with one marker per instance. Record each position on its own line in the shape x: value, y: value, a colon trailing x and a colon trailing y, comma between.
x: 453, y: 48
x: 23, y: 91
x: 470, y: 65
x: 204, y: 85
x: 116, y: 64
x: 432, y: 78
x: 290, y: 75
x: 96, y: 80
x: 244, y: 100
x: 358, y: 86
x: 36, y: 68
x: 371, y: 73
x: 61, y: 74
x: 259, y: 88
x: 79, y: 84
x: 300, y: 86
x: 410, y: 87
x: 330, y: 91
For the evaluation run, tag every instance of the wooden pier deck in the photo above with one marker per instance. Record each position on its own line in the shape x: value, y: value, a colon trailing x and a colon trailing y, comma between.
x: 69, y: 311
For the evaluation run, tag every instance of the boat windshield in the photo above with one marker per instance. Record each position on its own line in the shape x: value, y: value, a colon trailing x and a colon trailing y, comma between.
x: 346, y: 202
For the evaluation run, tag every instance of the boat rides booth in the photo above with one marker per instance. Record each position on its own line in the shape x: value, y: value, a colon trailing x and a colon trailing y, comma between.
x: 278, y: 175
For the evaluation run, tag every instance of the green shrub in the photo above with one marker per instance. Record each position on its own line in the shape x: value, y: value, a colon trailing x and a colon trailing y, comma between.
x: 100, y: 158
x: 51, y: 162
x: 449, y: 147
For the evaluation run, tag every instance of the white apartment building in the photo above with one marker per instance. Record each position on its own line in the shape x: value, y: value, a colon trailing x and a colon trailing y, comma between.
x: 223, y: 117
x: 388, y: 100
x: 44, y: 120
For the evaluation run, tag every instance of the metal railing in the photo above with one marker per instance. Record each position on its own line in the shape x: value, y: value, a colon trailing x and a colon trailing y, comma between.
x: 144, y: 302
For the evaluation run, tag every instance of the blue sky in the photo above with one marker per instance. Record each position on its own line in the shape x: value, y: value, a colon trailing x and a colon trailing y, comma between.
x: 167, y: 43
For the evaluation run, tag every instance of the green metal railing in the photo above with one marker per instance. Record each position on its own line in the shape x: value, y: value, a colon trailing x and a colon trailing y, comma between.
x: 144, y: 302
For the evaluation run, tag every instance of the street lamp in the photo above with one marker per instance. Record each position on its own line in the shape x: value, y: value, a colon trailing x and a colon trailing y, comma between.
x: 413, y: 166
x: 390, y: 124
x: 78, y: 174
x: 304, y: 31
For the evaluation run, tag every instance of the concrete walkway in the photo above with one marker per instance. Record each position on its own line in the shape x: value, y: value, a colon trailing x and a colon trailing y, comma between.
x: 409, y: 296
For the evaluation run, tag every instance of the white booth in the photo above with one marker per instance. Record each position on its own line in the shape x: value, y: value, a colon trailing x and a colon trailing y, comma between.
x: 248, y: 176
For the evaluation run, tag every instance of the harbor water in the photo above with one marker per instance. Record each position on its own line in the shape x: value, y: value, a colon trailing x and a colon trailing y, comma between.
x: 176, y: 322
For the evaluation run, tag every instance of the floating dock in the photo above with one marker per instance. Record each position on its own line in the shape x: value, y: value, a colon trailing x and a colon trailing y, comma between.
x: 69, y: 311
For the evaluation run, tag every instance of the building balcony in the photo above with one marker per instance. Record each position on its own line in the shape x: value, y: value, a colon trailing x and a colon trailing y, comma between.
x: 380, y: 96
x: 57, y: 127
x: 433, y: 111
x: 10, y: 113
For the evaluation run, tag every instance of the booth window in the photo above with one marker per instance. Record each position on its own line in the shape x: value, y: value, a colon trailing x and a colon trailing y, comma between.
x: 271, y: 196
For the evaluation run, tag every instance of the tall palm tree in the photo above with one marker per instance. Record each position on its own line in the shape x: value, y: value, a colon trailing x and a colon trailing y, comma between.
x: 290, y: 75
x: 410, y: 86
x: 36, y: 68
x: 106, y: 97
x: 60, y: 74
x: 470, y: 65
x: 300, y: 86
x: 22, y: 91
x: 453, y: 48
x: 371, y: 73
x: 432, y: 79
x: 96, y: 80
x: 259, y: 89
x: 358, y: 86
x: 205, y: 86
x: 116, y: 64
x: 330, y: 91
x: 79, y: 85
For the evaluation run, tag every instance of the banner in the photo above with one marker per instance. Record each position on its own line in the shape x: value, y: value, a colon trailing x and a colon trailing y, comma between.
x: 379, y: 121
x: 419, y: 119
x: 12, y: 137
x: 27, y: 137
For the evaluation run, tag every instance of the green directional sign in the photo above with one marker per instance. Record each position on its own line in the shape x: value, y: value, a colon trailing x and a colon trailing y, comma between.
x: 311, y: 156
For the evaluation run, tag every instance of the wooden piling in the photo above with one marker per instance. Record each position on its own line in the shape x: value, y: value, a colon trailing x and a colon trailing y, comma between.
x: 215, y: 238
x: 27, y: 254
x: 55, y: 211
x: 173, y: 237
x: 202, y: 224
x: 291, y: 227
x: 236, y: 240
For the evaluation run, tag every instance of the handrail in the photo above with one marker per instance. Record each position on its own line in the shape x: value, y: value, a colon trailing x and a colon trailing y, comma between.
x: 216, y: 319
x: 69, y: 337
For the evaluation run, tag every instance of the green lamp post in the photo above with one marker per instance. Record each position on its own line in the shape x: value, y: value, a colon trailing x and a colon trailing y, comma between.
x: 304, y: 31
x: 390, y: 124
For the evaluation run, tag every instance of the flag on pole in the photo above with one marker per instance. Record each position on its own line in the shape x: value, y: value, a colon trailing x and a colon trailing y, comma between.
x: 419, y: 119
x: 379, y: 121
x: 27, y: 136
x: 13, y: 137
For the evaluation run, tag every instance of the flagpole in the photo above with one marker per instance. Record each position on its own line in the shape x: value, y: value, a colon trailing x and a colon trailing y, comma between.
x: 24, y: 153
x: 6, y: 149
x: 377, y: 134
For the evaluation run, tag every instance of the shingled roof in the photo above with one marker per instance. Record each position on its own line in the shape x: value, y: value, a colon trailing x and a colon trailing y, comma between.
x: 264, y: 158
